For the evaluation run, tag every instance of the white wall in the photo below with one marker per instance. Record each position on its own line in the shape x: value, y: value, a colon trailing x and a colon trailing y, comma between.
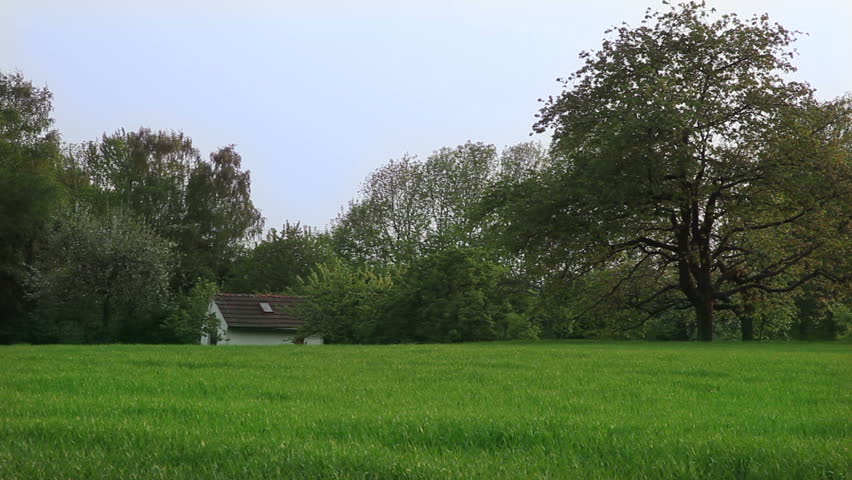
x: 245, y: 336
x: 256, y: 337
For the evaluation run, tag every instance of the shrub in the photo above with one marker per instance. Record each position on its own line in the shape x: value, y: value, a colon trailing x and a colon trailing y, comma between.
x: 451, y: 296
x: 344, y: 302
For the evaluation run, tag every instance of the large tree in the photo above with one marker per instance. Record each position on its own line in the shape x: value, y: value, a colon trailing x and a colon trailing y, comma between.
x: 687, y: 158
x: 412, y: 207
x: 145, y: 172
x: 29, y: 191
x: 220, y: 216
x: 204, y: 207
x: 389, y: 222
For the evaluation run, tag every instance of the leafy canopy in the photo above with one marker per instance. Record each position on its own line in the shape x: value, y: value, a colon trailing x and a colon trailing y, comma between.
x: 686, y: 158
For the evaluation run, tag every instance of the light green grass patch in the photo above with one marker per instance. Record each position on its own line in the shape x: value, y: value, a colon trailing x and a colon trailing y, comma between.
x: 501, y: 410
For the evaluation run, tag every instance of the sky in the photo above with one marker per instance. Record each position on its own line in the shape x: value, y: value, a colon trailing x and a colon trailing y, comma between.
x: 317, y: 94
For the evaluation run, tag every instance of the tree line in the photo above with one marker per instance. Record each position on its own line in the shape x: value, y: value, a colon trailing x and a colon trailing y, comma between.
x: 105, y: 241
x: 691, y: 190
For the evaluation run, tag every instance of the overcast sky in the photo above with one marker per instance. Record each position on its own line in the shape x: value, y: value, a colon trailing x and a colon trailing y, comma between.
x: 316, y: 94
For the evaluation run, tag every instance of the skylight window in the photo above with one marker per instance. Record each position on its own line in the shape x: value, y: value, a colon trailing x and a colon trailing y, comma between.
x: 266, y: 308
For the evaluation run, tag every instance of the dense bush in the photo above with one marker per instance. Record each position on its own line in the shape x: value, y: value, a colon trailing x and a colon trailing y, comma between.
x: 277, y: 262
x: 189, y: 314
x: 454, y: 295
x: 344, y: 303
x: 99, y: 279
x: 450, y: 296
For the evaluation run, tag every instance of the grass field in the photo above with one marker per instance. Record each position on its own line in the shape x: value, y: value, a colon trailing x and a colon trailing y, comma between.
x: 539, y: 410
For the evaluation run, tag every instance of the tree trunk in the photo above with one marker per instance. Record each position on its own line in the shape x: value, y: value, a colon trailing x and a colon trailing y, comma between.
x: 747, y: 327
x: 746, y: 316
x: 747, y: 319
x: 105, y: 320
x: 704, y: 315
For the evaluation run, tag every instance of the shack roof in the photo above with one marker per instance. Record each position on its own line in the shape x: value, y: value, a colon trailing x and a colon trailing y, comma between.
x: 242, y: 310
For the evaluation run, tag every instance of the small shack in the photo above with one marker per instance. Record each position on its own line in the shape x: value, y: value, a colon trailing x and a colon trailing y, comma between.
x: 246, y: 319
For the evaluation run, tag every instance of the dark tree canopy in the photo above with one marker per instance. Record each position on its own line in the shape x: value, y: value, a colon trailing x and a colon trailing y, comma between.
x: 29, y: 191
x: 144, y: 171
x: 280, y: 260
x: 68, y: 215
x: 450, y: 296
x: 684, y: 153
x: 220, y: 216
x: 204, y: 207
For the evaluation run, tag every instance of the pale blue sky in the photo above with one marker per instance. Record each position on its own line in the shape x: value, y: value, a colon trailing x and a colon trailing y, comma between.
x: 317, y: 94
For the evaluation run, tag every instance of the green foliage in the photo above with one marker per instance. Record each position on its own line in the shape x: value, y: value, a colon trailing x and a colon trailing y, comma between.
x: 190, y: 218
x: 451, y: 296
x: 99, y: 279
x: 220, y: 216
x: 190, y: 317
x: 681, y: 150
x: 144, y: 172
x: 278, y: 262
x: 410, y: 208
x: 151, y: 185
x: 29, y: 192
x: 390, y: 222
x: 821, y: 312
x: 581, y: 410
x: 841, y: 318
x: 203, y: 207
x: 344, y: 302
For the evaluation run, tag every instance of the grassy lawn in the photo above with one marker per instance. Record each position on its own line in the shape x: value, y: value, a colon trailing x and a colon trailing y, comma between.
x: 511, y: 410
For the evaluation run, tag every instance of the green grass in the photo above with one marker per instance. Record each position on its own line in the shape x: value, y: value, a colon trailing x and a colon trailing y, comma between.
x: 537, y: 410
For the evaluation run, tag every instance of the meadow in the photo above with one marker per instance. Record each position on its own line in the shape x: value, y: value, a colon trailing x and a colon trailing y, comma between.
x: 489, y: 410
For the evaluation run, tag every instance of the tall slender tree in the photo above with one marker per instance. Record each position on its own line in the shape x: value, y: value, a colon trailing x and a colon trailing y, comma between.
x: 220, y: 217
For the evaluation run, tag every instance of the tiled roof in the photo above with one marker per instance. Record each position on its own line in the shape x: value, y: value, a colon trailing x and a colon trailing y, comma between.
x: 244, y: 310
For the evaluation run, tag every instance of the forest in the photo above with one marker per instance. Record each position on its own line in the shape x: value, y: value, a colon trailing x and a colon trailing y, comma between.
x: 690, y: 191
